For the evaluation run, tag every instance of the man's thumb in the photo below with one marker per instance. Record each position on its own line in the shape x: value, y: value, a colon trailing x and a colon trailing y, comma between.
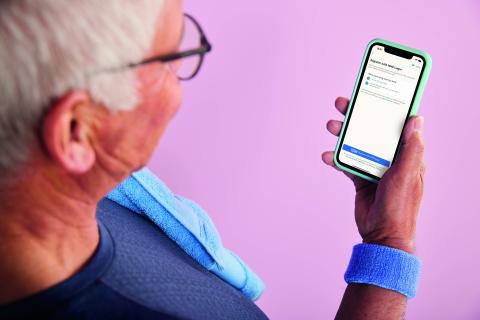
x: 410, y: 158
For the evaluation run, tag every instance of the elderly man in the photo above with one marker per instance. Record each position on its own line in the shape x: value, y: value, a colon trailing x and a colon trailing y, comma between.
x: 87, y: 89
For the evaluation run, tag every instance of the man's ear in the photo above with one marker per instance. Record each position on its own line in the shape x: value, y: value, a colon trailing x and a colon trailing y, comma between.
x: 66, y: 132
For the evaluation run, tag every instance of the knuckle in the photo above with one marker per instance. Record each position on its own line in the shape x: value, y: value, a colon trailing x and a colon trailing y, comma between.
x: 423, y: 169
x: 419, y: 143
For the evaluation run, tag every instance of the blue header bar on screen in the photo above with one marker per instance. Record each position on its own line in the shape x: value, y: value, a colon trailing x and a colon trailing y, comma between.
x: 366, y: 155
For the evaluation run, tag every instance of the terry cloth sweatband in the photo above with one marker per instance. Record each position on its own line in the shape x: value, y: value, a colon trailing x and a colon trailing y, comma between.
x: 384, y: 267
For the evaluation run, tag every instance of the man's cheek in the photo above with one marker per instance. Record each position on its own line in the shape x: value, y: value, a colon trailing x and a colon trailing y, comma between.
x: 168, y: 102
x: 174, y: 95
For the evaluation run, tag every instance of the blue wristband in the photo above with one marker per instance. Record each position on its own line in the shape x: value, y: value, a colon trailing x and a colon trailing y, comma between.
x: 384, y: 267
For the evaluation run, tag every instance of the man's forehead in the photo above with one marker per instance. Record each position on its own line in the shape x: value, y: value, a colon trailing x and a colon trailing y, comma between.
x: 169, y: 28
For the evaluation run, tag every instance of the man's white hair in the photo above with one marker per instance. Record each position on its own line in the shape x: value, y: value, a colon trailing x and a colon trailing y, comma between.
x: 48, y: 47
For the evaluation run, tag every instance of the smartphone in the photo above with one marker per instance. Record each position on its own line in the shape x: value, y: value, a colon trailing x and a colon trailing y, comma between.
x: 387, y: 92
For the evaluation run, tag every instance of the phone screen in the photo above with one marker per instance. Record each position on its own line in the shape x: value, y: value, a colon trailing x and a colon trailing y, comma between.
x: 380, y: 109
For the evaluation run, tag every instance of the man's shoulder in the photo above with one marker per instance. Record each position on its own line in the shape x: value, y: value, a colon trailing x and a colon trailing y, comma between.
x: 137, y: 272
x: 151, y: 270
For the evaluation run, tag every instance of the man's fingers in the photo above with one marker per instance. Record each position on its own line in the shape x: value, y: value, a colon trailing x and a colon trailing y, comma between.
x: 410, y: 159
x: 334, y: 127
x: 341, y: 103
x: 327, y: 157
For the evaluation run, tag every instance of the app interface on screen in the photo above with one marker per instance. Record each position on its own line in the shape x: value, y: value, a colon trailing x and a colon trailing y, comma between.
x: 383, y: 101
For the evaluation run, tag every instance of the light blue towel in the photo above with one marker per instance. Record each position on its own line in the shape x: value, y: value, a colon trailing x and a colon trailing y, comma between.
x: 189, y: 226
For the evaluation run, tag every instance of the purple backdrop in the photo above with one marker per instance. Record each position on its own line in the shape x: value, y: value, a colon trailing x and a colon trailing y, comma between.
x: 247, y: 144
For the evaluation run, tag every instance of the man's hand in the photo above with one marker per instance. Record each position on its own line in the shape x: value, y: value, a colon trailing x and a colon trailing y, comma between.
x: 386, y: 213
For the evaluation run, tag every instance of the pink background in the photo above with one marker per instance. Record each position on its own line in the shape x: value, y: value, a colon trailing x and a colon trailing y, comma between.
x: 247, y: 144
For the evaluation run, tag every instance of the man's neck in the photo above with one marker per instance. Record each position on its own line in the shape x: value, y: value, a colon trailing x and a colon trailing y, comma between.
x: 47, y: 234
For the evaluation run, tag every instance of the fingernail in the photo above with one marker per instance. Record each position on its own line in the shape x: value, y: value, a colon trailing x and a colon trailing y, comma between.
x: 418, y: 125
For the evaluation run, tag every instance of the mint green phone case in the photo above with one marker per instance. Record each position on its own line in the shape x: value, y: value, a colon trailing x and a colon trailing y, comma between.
x: 416, y: 99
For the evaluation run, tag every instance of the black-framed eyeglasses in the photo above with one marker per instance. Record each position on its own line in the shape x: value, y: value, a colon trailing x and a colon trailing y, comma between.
x: 191, y: 51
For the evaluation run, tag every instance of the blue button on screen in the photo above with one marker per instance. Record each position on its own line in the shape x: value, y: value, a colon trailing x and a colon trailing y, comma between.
x: 366, y: 155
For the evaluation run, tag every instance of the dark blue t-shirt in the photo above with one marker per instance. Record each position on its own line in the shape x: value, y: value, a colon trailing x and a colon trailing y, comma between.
x: 136, y: 273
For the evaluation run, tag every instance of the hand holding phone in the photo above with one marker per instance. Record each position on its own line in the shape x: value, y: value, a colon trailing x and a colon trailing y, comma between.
x: 386, y: 213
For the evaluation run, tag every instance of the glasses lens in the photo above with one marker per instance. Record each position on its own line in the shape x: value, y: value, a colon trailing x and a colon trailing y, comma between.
x: 191, y: 41
x: 188, y: 67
